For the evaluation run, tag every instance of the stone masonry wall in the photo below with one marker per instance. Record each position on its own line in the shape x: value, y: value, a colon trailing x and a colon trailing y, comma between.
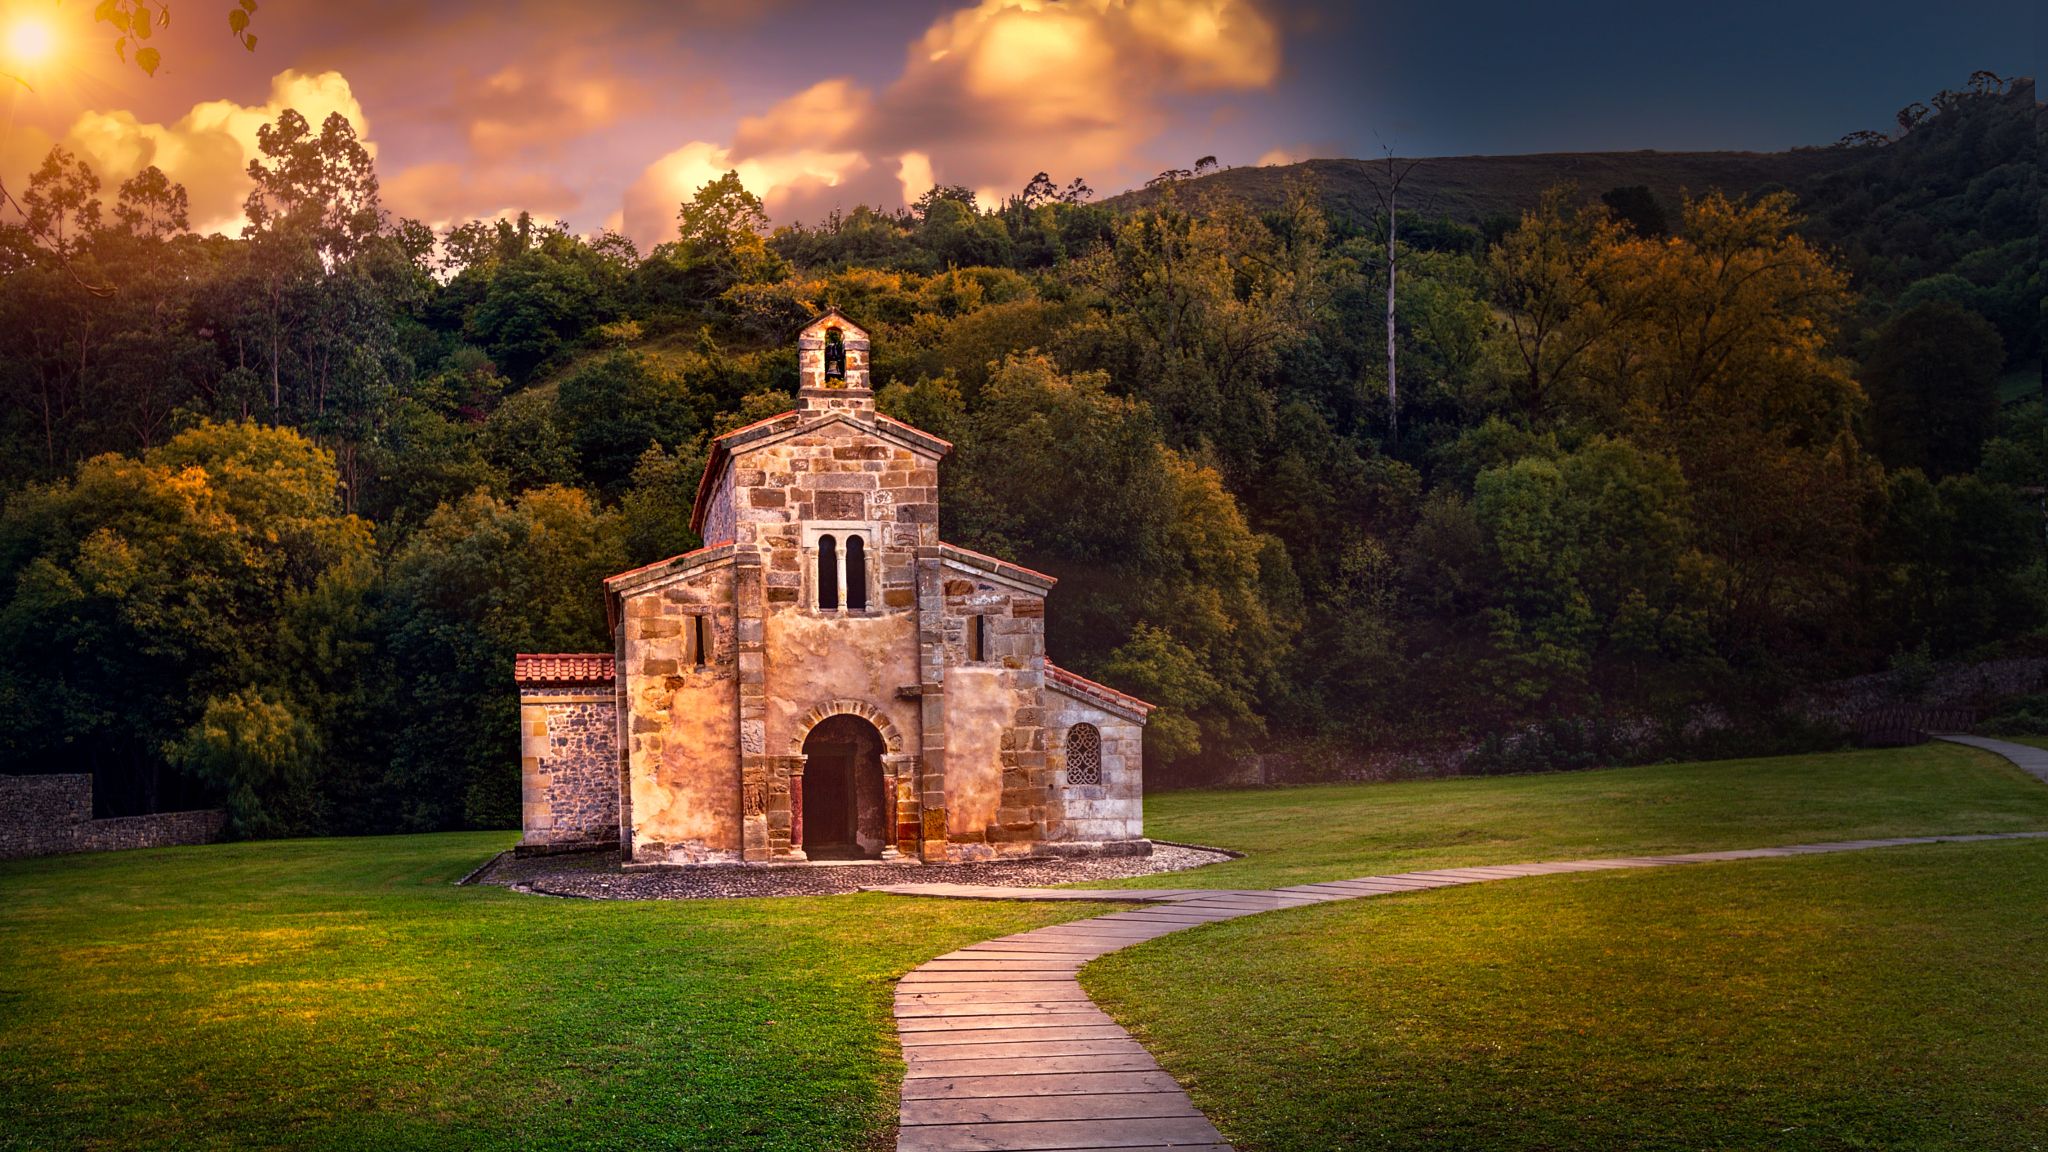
x: 1104, y: 813
x: 568, y: 768
x: 682, y: 776
x: 997, y: 784
x: 45, y: 815
x: 158, y: 830
x: 836, y: 476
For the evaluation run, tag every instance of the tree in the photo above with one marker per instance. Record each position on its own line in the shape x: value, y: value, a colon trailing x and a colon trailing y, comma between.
x: 1389, y: 194
x: 322, y: 186
x: 134, y: 21
x: 723, y: 217
x: 957, y: 235
x: 152, y: 205
x: 615, y: 408
x: 721, y: 243
x: 1592, y: 569
x: 1202, y: 306
x: 482, y: 580
x: 149, y: 598
x: 961, y: 194
x: 1932, y: 374
x: 1159, y: 571
x: 1551, y: 279
x: 538, y: 303
x: 657, y: 504
x: 1638, y: 207
x: 62, y: 202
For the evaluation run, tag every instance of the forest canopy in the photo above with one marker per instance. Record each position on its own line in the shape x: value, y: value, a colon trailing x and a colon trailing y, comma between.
x: 279, y: 508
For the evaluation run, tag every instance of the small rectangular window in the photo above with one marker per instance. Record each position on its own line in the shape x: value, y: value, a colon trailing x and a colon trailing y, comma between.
x: 699, y: 641
x: 975, y: 638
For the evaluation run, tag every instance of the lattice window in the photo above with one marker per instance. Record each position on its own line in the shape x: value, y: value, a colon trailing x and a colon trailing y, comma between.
x: 1084, y: 754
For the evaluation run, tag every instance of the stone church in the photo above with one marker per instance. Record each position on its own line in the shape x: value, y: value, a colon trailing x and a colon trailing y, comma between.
x: 826, y: 679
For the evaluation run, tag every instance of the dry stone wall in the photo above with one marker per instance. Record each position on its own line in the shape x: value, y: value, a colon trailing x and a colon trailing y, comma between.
x: 46, y: 815
x: 568, y: 768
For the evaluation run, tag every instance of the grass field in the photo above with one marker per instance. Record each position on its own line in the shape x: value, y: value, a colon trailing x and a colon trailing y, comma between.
x: 1882, y: 1000
x: 343, y: 994
x: 1878, y: 1000
x: 1331, y: 832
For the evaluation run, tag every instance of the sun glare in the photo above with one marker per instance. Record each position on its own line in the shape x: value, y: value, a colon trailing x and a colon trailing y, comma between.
x: 30, y: 40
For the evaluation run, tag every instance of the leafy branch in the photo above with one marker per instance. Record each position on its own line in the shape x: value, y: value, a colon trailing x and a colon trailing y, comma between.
x: 135, y: 21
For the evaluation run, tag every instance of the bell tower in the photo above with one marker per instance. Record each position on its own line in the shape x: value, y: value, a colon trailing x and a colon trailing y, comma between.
x: 832, y: 366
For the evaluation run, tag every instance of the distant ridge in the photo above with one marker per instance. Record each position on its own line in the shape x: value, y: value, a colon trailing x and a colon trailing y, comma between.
x: 1473, y: 188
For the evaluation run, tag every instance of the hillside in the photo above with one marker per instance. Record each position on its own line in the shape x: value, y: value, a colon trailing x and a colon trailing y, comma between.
x: 1474, y: 188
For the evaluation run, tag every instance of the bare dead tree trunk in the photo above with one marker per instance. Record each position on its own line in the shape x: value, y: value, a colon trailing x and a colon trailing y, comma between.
x: 1389, y: 197
x: 1393, y: 390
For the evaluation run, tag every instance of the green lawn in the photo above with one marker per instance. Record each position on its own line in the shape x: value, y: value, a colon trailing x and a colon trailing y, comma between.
x: 343, y: 994
x: 1330, y: 832
x: 1890, y: 999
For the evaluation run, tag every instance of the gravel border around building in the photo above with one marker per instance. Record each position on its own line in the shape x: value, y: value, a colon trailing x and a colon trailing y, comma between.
x: 597, y: 876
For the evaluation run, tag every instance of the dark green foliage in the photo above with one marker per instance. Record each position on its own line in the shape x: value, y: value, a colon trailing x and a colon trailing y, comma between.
x: 482, y: 580
x: 1638, y: 207
x: 615, y: 408
x: 189, y: 608
x: 1932, y: 374
x: 1638, y: 479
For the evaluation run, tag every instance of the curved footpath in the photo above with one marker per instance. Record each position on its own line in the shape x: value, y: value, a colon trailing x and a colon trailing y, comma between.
x: 1004, y: 1051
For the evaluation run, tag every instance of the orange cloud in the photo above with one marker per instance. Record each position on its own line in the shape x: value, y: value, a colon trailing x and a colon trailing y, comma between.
x: 987, y: 96
x: 649, y: 215
x: 208, y: 149
x: 535, y: 107
x: 446, y: 193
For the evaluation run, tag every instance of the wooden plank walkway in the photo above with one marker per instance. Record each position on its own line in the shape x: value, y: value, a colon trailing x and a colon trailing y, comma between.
x: 1004, y: 1051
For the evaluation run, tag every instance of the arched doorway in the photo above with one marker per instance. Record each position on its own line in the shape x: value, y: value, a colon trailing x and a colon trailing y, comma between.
x: 844, y: 809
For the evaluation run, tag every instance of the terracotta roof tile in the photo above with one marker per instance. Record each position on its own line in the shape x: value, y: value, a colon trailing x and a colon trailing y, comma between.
x: 754, y: 425
x: 562, y: 669
x: 913, y: 428
x: 998, y: 563
x: 1082, y: 686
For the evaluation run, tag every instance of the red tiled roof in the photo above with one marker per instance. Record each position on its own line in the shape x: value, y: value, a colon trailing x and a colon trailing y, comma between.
x: 562, y: 669
x: 913, y: 428
x: 716, y: 544
x: 1103, y: 693
x: 997, y: 562
x: 754, y: 425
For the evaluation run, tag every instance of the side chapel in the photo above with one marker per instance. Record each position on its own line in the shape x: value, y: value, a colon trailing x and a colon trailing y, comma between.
x: 826, y: 679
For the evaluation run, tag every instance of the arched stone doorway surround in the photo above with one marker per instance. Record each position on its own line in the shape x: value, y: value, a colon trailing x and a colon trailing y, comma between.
x: 852, y: 786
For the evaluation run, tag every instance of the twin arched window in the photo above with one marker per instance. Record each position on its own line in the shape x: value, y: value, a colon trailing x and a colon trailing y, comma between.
x: 855, y: 568
x: 1084, y: 754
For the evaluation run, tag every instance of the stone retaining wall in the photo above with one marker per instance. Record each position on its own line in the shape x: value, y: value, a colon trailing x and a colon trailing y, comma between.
x: 1836, y: 706
x: 46, y: 815
x: 161, y: 830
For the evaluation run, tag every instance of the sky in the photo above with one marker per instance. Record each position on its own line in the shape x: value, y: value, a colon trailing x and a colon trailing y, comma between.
x: 609, y: 114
